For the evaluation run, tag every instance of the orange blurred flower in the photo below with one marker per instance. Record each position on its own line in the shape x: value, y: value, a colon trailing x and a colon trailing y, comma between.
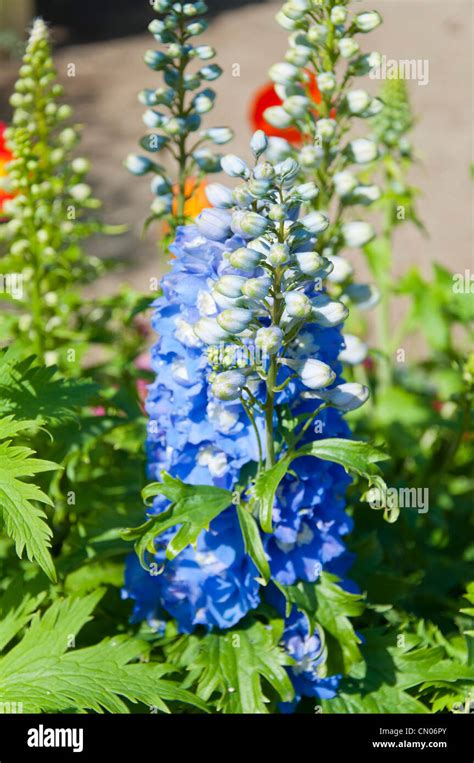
x: 197, y: 200
x: 267, y: 96
x: 5, y: 157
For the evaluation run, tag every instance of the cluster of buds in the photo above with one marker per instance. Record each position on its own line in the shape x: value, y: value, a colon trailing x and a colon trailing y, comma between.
x: 175, y: 112
x: 272, y: 287
x: 49, y: 211
x: 323, y: 48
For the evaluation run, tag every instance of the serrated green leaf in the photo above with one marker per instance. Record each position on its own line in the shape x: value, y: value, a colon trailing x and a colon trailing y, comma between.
x: 193, y: 507
x: 24, y: 521
x: 231, y: 666
x: 46, y: 673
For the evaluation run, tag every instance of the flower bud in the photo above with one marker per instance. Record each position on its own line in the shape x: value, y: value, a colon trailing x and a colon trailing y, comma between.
x: 209, y: 331
x: 357, y: 233
x: 338, y: 14
x: 234, y: 166
x: 296, y: 105
x: 258, y: 188
x: 309, y: 263
x: 235, y: 320
x: 206, y: 160
x: 257, y: 288
x: 81, y: 192
x: 326, y: 82
x: 363, y: 150
x: 244, y: 258
x: 310, y: 156
x: 299, y: 55
x: 218, y: 135
x: 269, y: 340
x: 344, y: 183
x: 363, y: 295
x: 347, y: 397
x: 317, y: 33
x: 204, y: 52
x: 326, y: 128
x: 203, y: 102
x: 284, y: 73
x: 348, y: 47
x: 367, y: 194
x: 81, y: 166
x: 230, y: 285
x: 259, y: 143
x: 315, y: 222
x: 342, y: 269
x: 354, y: 352
x: 219, y: 195
x: 307, y: 191
x: 214, y: 224
x: 327, y: 312
x: 277, y: 117
x: 278, y: 212
x: 278, y: 255
x: 297, y: 304
x: 156, y: 60
x: 358, y: 101
x: 253, y: 224
x: 153, y: 119
x: 138, y: 165
x: 313, y: 373
x: 367, y: 21
x: 210, y: 73
x: 162, y: 205
x: 228, y: 385
x: 264, y: 171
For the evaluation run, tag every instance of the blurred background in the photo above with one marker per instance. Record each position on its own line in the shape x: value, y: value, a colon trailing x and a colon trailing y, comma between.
x: 106, y: 40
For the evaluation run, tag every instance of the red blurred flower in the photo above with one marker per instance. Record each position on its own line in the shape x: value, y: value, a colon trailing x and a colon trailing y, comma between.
x: 5, y: 157
x: 267, y: 96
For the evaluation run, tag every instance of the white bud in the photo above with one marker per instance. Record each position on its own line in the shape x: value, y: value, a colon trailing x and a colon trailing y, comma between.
x: 230, y: 285
x: 278, y: 117
x: 284, y: 73
x: 315, y: 222
x: 279, y: 254
x: 347, y: 397
x: 367, y: 21
x: 296, y: 105
x: 363, y: 295
x: 259, y: 143
x: 219, y: 195
x: 209, y: 331
x: 297, y: 304
x: 342, y: 269
x: 348, y: 47
x: 269, y: 340
x: 358, y: 101
x: 326, y: 128
x: 338, y: 14
x: 313, y: 373
x: 354, y: 352
x: 327, y: 312
x: 257, y: 288
x: 244, y: 259
x: 235, y: 320
x: 357, y: 233
x: 344, y: 183
x: 228, y: 385
x: 326, y: 82
x: 234, y: 166
x: 309, y: 263
x: 363, y: 150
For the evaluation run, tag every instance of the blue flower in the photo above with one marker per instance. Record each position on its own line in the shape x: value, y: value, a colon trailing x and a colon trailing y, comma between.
x: 204, y: 440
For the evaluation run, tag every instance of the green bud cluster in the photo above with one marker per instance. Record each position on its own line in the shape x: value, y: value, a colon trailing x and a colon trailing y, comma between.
x: 176, y: 110
x: 50, y: 213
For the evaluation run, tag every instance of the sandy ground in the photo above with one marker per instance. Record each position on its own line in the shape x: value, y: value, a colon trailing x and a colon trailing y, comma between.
x: 109, y: 76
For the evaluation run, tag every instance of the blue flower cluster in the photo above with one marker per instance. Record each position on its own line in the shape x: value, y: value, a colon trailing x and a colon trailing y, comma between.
x: 203, y: 440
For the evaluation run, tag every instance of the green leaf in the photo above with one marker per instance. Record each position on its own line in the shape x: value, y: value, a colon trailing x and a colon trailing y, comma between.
x: 356, y: 457
x: 330, y: 607
x: 192, y: 506
x: 46, y: 673
x: 232, y: 666
x: 266, y: 485
x: 253, y: 542
x: 24, y: 522
x: 39, y: 390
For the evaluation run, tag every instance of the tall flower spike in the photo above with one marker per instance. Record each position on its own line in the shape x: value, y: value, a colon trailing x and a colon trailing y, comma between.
x: 51, y: 211
x: 230, y: 360
x: 175, y: 112
x: 324, y: 45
